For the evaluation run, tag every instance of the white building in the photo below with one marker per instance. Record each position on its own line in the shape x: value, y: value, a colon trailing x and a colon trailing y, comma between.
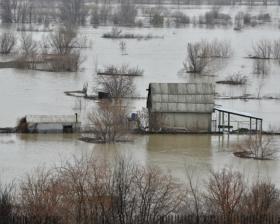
x: 53, y: 123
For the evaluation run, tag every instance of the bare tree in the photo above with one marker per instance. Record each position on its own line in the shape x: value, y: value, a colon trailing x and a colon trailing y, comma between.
x: 109, y: 122
x: 220, y: 49
x: 197, y: 58
x: 63, y: 41
x: 29, y: 47
x: 40, y: 194
x: 126, y: 13
x: 262, y: 199
x: 117, y: 86
x: 262, y: 49
x: 122, y: 70
x: 7, y: 200
x: 66, y: 49
x: 29, y: 52
x: 6, y: 11
x: 276, y: 49
x: 257, y: 147
x: 194, y: 195
x: 225, y: 190
x: 7, y: 43
x: 73, y: 12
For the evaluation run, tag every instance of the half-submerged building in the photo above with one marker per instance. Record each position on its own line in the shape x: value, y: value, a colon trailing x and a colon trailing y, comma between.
x: 52, y: 123
x: 180, y: 107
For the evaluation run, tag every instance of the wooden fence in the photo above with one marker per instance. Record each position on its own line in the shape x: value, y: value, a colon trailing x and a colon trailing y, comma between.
x: 188, y: 219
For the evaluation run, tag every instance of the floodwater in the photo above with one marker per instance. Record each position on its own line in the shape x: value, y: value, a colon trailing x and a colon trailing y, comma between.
x: 172, y: 153
x: 34, y: 92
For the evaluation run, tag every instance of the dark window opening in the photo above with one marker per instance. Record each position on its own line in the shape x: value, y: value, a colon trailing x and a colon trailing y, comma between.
x: 68, y: 129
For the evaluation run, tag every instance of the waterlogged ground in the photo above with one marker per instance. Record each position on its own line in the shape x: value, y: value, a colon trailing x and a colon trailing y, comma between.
x: 34, y: 92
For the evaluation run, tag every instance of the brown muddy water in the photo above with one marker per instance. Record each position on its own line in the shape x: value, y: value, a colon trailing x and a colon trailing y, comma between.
x: 42, y: 93
x: 19, y: 154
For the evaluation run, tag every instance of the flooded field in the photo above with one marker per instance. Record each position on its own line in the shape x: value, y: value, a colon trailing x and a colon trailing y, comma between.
x: 35, y: 92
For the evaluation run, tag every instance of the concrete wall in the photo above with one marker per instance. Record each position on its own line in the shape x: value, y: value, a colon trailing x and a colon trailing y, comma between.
x: 191, y: 122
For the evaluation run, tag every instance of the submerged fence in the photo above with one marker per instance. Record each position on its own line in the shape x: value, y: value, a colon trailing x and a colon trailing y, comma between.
x: 180, y: 219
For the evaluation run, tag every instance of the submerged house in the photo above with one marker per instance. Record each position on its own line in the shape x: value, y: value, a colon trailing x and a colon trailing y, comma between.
x: 52, y: 123
x: 185, y: 107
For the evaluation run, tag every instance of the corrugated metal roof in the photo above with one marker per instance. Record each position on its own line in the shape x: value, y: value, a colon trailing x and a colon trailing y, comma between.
x: 181, y: 97
x: 51, y: 119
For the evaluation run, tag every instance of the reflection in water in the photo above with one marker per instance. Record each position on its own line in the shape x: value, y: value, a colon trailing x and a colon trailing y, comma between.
x: 195, y: 145
x: 172, y: 153
x: 261, y: 67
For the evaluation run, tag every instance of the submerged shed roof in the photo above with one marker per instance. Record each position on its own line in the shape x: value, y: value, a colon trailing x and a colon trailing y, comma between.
x: 181, y: 97
x: 51, y: 119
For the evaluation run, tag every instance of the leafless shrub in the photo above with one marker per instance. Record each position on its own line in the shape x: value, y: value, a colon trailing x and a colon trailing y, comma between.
x: 7, y: 43
x: 197, y: 58
x: 194, y: 200
x: 123, y: 70
x: 65, y: 51
x: 149, y: 197
x: 7, y: 200
x: 261, y: 199
x: 262, y: 49
x: 29, y: 52
x: 220, y: 49
x: 126, y: 13
x: 200, y: 54
x: 224, y: 193
x: 109, y: 122
x: 40, y: 195
x: 63, y: 41
x: 117, y: 86
x: 29, y: 47
x: 143, y: 119
x: 63, y: 63
x: 72, y: 12
x: 214, y: 17
x: 180, y: 18
x: 235, y: 79
x: 276, y: 49
x: 256, y: 147
x: 116, y: 33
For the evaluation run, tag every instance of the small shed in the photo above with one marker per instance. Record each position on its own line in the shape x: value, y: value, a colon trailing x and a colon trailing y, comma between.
x: 53, y: 123
x: 185, y: 107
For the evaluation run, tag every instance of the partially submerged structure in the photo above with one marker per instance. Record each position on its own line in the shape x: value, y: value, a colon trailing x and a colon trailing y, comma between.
x: 51, y: 123
x: 180, y: 107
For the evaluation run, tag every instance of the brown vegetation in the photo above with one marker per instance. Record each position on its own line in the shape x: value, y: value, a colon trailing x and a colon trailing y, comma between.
x: 109, y: 122
x: 235, y: 79
x: 117, y: 86
x: 90, y: 190
x: 7, y: 43
x: 201, y: 54
x: 256, y: 147
x: 123, y: 70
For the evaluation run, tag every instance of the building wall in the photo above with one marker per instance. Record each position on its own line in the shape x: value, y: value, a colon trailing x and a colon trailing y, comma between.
x: 52, y: 127
x: 191, y: 122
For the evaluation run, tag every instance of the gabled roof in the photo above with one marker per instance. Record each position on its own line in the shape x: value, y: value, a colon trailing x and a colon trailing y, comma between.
x: 181, y: 97
x: 51, y: 119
